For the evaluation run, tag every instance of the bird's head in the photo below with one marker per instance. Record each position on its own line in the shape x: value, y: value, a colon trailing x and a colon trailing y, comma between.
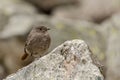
x: 41, y: 28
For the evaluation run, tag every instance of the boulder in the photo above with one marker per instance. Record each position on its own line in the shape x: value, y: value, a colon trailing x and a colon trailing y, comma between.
x: 71, y: 60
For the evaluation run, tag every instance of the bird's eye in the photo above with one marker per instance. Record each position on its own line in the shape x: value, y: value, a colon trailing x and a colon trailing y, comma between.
x: 40, y: 29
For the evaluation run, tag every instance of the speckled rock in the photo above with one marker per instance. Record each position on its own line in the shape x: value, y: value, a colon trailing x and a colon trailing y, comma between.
x: 69, y: 61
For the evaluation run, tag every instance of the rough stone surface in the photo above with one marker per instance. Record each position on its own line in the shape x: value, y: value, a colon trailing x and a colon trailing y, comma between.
x: 69, y: 61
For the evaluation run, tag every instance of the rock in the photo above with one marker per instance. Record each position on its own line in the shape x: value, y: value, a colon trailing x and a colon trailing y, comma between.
x: 94, y: 10
x: 3, y: 19
x: 47, y: 5
x: 10, y: 53
x: 13, y: 7
x: 18, y: 25
x: 113, y: 55
x: 2, y: 72
x: 69, y: 29
x: 69, y: 61
x: 21, y: 17
x: 113, y: 49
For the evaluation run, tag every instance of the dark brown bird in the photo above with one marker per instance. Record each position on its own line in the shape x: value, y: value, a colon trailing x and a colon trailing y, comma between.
x: 37, y: 43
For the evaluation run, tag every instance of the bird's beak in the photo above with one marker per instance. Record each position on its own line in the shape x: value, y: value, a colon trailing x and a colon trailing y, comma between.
x: 48, y: 28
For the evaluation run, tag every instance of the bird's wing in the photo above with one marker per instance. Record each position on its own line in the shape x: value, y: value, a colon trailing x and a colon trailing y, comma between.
x: 28, y: 41
x: 35, y: 39
x: 32, y: 39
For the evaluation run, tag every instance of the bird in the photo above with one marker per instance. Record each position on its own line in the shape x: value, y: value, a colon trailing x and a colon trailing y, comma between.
x: 37, y: 43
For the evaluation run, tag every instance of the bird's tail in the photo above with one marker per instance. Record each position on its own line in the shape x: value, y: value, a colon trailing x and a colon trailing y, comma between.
x: 24, y: 56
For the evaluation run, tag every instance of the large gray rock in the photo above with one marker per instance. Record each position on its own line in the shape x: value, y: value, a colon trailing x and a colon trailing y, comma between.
x: 70, y: 61
x: 113, y: 49
x: 94, y: 10
x: 50, y: 4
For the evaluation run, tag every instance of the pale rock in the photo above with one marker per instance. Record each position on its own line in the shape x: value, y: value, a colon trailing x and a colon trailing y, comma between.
x: 69, y: 61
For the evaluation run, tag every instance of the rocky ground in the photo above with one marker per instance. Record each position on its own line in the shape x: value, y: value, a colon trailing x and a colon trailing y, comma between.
x: 96, y: 22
